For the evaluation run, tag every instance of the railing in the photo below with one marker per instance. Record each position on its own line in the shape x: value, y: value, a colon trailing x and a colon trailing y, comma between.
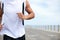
x: 52, y: 28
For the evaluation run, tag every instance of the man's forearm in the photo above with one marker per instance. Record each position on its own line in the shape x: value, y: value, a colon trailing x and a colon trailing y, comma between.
x: 26, y: 17
x: 30, y: 16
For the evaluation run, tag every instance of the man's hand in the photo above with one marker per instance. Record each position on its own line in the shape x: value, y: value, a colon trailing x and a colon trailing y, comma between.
x: 25, y: 17
x: 0, y: 27
x: 21, y: 16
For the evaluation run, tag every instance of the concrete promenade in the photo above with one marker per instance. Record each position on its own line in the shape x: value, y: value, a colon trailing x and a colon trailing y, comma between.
x: 37, y: 34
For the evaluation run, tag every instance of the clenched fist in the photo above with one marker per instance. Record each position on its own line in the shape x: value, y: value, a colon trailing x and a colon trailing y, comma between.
x: 21, y: 16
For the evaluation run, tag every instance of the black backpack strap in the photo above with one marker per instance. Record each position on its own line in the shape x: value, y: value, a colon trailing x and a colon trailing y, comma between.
x: 23, y: 12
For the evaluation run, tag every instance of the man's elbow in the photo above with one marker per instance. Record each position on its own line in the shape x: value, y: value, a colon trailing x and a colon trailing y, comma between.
x: 33, y: 15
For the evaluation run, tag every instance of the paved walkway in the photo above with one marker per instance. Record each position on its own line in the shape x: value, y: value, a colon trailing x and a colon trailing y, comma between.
x: 36, y: 34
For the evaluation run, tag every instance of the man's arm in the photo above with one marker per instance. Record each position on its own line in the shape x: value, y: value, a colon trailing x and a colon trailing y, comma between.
x: 29, y: 10
x: 1, y: 12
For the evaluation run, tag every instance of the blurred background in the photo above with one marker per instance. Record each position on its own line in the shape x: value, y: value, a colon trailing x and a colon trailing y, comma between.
x: 47, y: 12
x: 46, y: 24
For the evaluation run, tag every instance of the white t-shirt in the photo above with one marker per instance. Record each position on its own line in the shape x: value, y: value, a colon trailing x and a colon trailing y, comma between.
x: 12, y: 24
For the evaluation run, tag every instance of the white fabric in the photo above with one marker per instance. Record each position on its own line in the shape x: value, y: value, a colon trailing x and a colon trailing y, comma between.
x: 12, y: 25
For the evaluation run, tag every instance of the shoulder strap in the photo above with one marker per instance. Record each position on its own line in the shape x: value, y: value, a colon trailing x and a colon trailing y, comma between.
x: 23, y: 12
x: 23, y: 7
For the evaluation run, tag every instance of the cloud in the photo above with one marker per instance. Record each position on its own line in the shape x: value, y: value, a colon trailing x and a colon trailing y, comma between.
x: 44, y: 15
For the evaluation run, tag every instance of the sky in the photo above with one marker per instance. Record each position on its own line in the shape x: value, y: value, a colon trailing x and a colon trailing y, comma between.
x: 47, y: 12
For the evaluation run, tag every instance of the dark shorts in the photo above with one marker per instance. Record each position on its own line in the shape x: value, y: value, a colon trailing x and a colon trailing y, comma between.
x: 5, y: 37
